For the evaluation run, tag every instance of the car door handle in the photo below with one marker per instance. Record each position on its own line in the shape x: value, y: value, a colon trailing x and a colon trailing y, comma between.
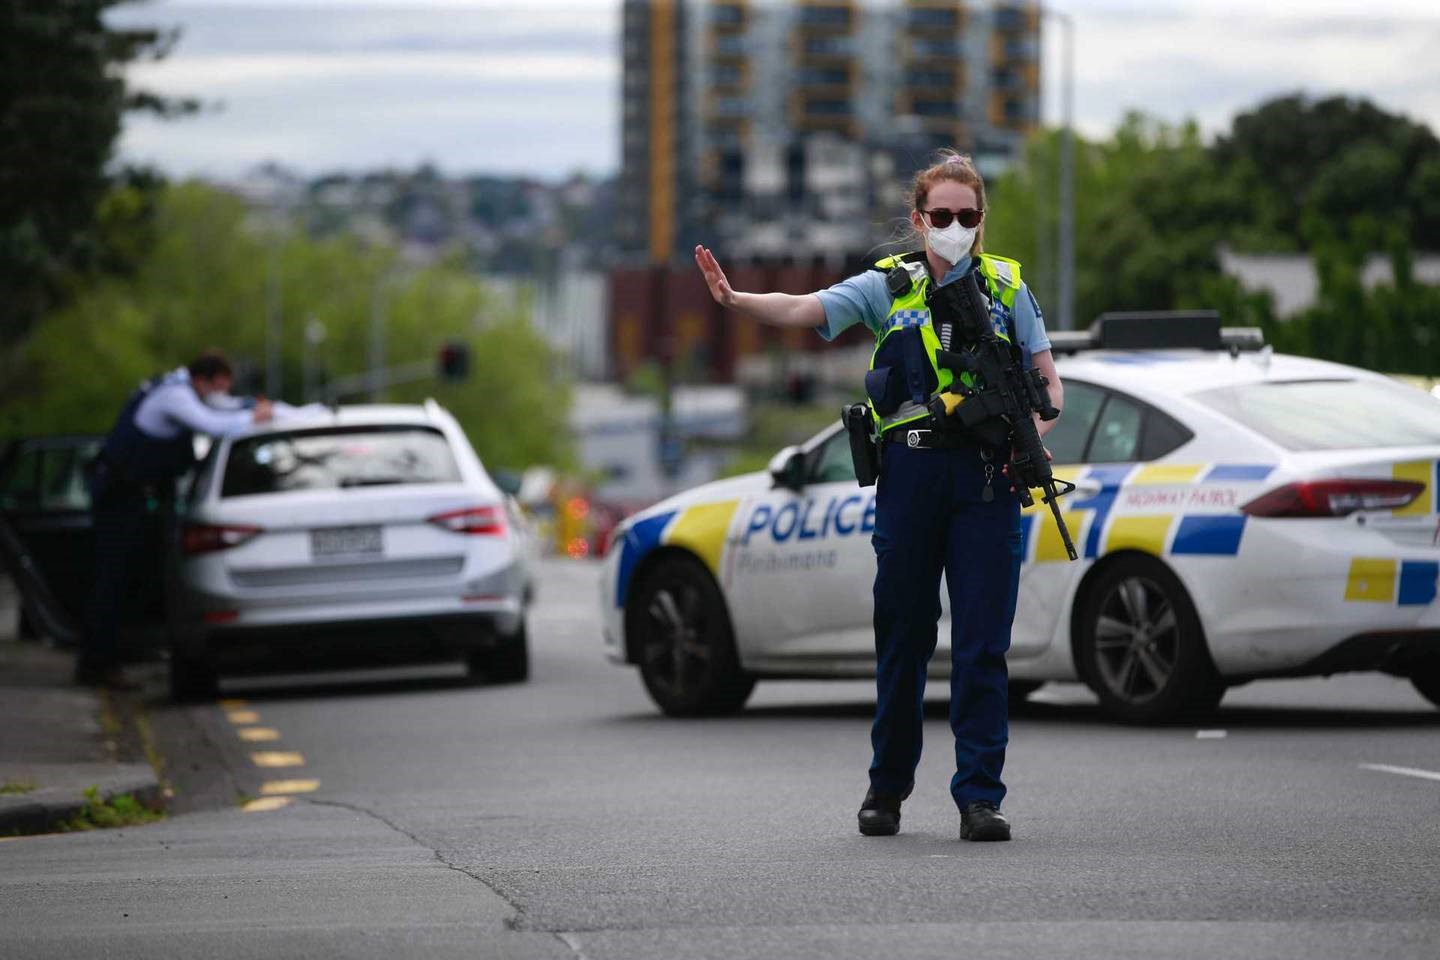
x: 1085, y: 489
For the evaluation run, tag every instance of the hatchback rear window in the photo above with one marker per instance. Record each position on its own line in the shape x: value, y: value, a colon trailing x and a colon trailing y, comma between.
x: 337, y: 459
x: 1332, y: 414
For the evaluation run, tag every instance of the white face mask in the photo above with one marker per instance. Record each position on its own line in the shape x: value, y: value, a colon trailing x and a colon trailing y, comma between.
x: 951, y: 243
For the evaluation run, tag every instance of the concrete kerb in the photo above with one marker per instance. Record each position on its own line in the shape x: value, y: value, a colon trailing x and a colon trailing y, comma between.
x: 47, y: 808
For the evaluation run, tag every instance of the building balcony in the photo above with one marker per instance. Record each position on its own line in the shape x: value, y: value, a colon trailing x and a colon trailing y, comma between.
x: 823, y: 47
x: 939, y: 77
x: 938, y: 15
x: 932, y: 48
x: 1013, y: 112
x: 729, y: 76
x: 729, y: 45
x: 732, y: 16
x: 836, y: 76
x: 825, y: 18
x: 721, y: 107
x: 1023, y: 18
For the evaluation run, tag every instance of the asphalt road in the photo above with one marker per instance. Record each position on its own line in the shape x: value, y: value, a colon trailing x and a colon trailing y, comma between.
x: 565, y: 818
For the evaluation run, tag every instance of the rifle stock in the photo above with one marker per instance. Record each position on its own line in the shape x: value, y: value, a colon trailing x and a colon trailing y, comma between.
x: 1006, y: 401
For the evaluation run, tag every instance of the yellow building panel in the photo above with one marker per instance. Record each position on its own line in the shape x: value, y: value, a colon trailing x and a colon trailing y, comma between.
x: 1156, y: 474
x: 1371, y: 580
x: 702, y: 529
x: 1139, y: 533
x: 1419, y: 471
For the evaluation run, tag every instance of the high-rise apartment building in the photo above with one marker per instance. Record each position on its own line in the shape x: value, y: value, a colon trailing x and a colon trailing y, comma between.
x: 786, y: 127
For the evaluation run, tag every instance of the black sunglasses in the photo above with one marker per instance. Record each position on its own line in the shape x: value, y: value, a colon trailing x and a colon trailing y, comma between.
x: 940, y: 218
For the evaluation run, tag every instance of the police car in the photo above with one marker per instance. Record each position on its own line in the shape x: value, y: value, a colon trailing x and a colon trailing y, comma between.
x: 1238, y: 514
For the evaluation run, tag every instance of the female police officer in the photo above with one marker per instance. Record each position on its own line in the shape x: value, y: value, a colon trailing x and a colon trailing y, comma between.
x: 938, y: 505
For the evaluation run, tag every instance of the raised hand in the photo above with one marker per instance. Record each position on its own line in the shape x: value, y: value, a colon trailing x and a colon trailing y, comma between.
x: 714, y: 277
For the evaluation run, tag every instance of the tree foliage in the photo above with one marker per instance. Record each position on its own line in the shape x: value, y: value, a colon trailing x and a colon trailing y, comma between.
x: 206, y: 281
x: 1337, y: 179
x: 62, y: 97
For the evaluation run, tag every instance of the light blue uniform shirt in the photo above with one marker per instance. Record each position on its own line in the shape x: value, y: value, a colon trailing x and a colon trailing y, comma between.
x: 864, y: 298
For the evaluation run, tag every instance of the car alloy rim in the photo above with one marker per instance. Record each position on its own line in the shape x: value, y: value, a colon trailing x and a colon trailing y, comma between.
x: 675, y: 654
x: 1137, y: 640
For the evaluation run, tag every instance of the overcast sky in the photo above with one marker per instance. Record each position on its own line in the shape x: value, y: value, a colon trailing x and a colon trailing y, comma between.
x: 533, y: 85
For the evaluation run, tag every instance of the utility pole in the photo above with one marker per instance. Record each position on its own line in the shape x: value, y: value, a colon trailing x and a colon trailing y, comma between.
x: 377, y: 339
x: 273, y: 352
x: 1065, y: 233
x: 314, y: 336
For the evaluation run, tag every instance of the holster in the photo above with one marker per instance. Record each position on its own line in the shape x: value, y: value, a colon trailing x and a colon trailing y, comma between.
x: 864, y: 450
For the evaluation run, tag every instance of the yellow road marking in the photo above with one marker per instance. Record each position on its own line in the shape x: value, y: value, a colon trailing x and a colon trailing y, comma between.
x: 262, y: 804
x: 242, y: 717
x: 277, y: 758
x: 233, y: 703
x: 273, y: 788
x: 258, y: 734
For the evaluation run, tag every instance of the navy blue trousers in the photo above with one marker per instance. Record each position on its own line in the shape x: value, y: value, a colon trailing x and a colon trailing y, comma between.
x: 119, y: 555
x: 930, y: 517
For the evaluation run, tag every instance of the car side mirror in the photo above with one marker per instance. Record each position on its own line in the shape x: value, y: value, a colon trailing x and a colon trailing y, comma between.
x: 787, y: 468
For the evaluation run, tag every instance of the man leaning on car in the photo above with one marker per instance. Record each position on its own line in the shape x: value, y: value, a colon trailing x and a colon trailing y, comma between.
x: 149, y: 448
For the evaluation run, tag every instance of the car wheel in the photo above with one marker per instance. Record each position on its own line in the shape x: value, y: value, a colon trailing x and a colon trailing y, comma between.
x: 685, y: 643
x: 1426, y: 681
x: 192, y: 681
x: 1140, y: 647
x: 507, y: 663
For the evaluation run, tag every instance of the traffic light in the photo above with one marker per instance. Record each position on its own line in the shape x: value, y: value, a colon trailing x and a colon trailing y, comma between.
x: 454, y: 361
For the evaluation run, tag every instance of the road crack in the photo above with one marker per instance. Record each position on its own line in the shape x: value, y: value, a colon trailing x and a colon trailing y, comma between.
x: 513, y: 923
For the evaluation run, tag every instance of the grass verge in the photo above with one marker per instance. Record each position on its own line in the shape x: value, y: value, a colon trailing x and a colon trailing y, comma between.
x: 99, y: 813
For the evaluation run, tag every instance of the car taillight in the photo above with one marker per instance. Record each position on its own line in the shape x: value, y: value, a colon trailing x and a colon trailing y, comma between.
x: 477, y: 521
x: 1333, y: 498
x: 207, y: 538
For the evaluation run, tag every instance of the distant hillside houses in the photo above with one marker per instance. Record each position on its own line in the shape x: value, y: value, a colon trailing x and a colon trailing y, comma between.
x: 1293, y: 284
x: 501, y: 224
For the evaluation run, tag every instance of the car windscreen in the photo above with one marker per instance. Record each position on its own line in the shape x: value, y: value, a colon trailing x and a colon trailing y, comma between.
x: 337, y: 458
x: 1331, y: 414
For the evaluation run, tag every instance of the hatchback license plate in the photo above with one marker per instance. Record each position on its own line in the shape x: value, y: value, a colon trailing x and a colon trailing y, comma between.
x: 345, y: 541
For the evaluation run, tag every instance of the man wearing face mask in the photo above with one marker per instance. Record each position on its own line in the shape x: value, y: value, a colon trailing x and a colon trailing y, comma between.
x: 150, y: 447
x: 942, y: 503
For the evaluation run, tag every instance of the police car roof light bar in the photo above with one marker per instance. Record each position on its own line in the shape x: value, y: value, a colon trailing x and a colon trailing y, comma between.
x: 1158, y: 330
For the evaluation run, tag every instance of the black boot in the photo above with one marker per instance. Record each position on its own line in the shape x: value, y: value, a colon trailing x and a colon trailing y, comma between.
x: 982, y: 821
x: 880, y: 813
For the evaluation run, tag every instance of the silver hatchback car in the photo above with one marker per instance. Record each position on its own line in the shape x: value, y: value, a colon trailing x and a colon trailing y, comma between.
x: 366, y: 536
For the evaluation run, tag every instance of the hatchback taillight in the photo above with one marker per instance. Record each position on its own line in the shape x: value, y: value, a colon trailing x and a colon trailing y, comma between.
x: 1333, y: 498
x: 207, y: 538
x: 477, y: 521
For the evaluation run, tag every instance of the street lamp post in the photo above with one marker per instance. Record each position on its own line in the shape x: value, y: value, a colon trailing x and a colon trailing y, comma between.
x: 1065, y: 220
x: 1066, y: 240
x: 377, y: 338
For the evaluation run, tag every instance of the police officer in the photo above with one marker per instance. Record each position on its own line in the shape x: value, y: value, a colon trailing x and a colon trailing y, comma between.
x: 150, y: 447
x: 939, y: 505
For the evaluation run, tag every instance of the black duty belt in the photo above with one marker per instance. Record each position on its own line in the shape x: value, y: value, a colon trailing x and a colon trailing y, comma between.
x: 923, y: 438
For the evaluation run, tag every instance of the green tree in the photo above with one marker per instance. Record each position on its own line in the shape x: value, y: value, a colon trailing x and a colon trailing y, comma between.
x: 1335, y: 159
x: 62, y: 95
x: 204, y: 283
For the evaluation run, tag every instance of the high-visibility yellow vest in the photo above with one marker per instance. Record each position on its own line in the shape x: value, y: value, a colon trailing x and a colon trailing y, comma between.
x: 909, y: 311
